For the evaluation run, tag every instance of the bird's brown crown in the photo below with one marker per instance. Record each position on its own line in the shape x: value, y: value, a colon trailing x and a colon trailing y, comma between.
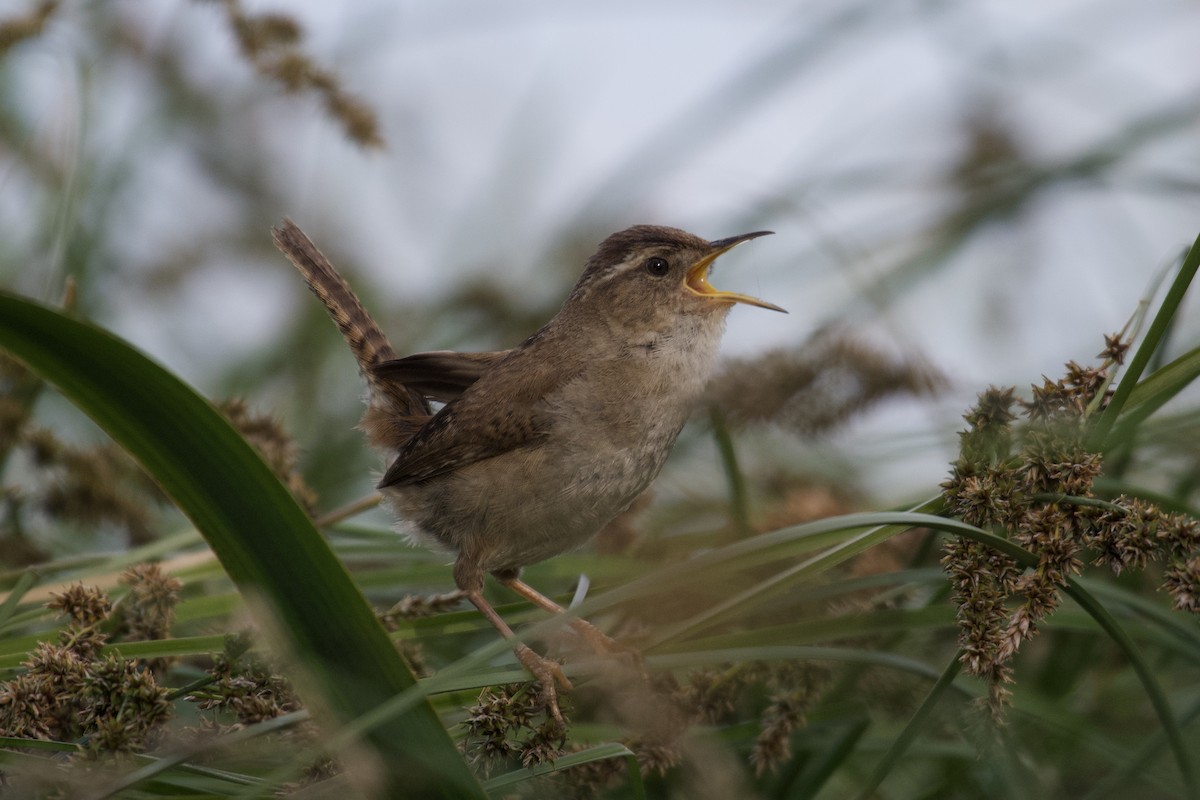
x: 655, y: 264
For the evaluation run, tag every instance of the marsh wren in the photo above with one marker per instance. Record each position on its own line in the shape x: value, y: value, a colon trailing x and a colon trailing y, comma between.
x: 539, y: 447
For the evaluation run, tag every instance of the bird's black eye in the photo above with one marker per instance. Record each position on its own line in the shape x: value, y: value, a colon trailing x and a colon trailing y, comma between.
x: 657, y: 266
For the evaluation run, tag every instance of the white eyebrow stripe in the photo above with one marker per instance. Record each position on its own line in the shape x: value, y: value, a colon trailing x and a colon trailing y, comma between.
x: 620, y: 269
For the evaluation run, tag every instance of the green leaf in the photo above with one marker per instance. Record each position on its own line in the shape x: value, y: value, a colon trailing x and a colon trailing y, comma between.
x: 901, y: 743
x: 1157, y: 390
x: 808, y: 772
x: 263, y: 539
x: 1167, y: 381
x: 23, y: 585
x: 1141, y: 359
x: 600, y: 752
x: 153, y: 767
x: 1099, y: 612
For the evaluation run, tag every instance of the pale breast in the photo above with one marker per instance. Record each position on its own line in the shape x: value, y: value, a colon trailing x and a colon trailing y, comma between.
x: 609, y: 432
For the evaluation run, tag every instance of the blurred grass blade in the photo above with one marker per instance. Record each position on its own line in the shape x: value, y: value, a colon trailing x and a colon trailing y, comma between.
x: 889, y: 524
x: 1166, y: 382
x: 600, y: 752
x: 1157, y: 390
x: 830, y: 532
x: 168, y: 648
x: 808, y: 773
x: 1154, y: 691
x: 20, y: 743
x: 1116, y: 783
x: 918, y: 720
x: 23, y: 585
x: 886, y: 525
x: 263, y: 539
x: 1154, y: 337
x: 153, y: 767
x: 1148, y: 614
x: 739, y: 503
x: 1171, y: 727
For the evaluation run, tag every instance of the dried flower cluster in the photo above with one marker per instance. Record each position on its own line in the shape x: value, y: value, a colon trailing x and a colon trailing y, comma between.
x: 714, y: 697
x: 72, y: 692
x: 660, y: 712
x: 86, y: 486
x: 417, y: 606
x: 244, y: 685
x: 244, y: 688
x: 817, y: 387
x: 147, y: 612
x: 992, y: 160
x: 510, y: 725
x: 271, y: 43
x: 1033, y: 483
x: 98, y: 485
x: 266, y: 435
x: 793, y: 687
x: 15, y: 30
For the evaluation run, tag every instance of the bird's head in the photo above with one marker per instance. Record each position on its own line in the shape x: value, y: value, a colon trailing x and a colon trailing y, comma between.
x: 649, y: 272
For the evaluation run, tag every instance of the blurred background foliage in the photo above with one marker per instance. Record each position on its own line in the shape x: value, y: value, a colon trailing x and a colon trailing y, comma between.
x: 963, y: 195
x: 985, y: 186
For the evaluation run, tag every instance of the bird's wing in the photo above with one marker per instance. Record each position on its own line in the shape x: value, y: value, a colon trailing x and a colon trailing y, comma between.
x: 442, y: 375
x: 505, y: 409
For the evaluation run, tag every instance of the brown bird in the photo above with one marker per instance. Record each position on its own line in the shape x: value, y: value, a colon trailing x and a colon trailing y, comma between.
x: 540, y: 446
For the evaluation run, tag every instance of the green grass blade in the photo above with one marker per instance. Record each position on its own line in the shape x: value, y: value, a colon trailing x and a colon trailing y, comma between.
x: 886, y: 525
x: 1116, y: 783
x: 901, y: 743
x: 765, y: 548
x: 23, y: 585
x: 263, y: 539
x: 1179, y: 629
x: 806, y: 777
x: 786, y: 652
x: 739, y: 503
x: 153, y: 767
x: 1154, y: 691
x: 600, y: 752
x: 1157, y: 390
x: 36, y: 744
x: 168, y: 648
x: 1166, y: 382
x: 1154, y: 337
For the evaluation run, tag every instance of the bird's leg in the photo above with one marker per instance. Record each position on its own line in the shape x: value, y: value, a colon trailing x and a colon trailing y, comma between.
x: 547, y: 671
x: 599, y: 641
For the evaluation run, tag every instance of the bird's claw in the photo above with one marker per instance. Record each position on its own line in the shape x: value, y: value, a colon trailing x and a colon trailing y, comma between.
x: 550, y: 675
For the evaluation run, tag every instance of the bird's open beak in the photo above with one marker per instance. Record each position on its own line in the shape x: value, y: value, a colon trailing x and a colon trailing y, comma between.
x: 697, y: 275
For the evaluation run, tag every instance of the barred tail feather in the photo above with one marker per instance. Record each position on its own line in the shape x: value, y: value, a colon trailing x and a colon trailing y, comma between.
x: 400, y: 406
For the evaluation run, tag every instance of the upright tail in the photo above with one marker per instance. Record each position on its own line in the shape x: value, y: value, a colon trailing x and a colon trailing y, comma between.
x: 394, y: 412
